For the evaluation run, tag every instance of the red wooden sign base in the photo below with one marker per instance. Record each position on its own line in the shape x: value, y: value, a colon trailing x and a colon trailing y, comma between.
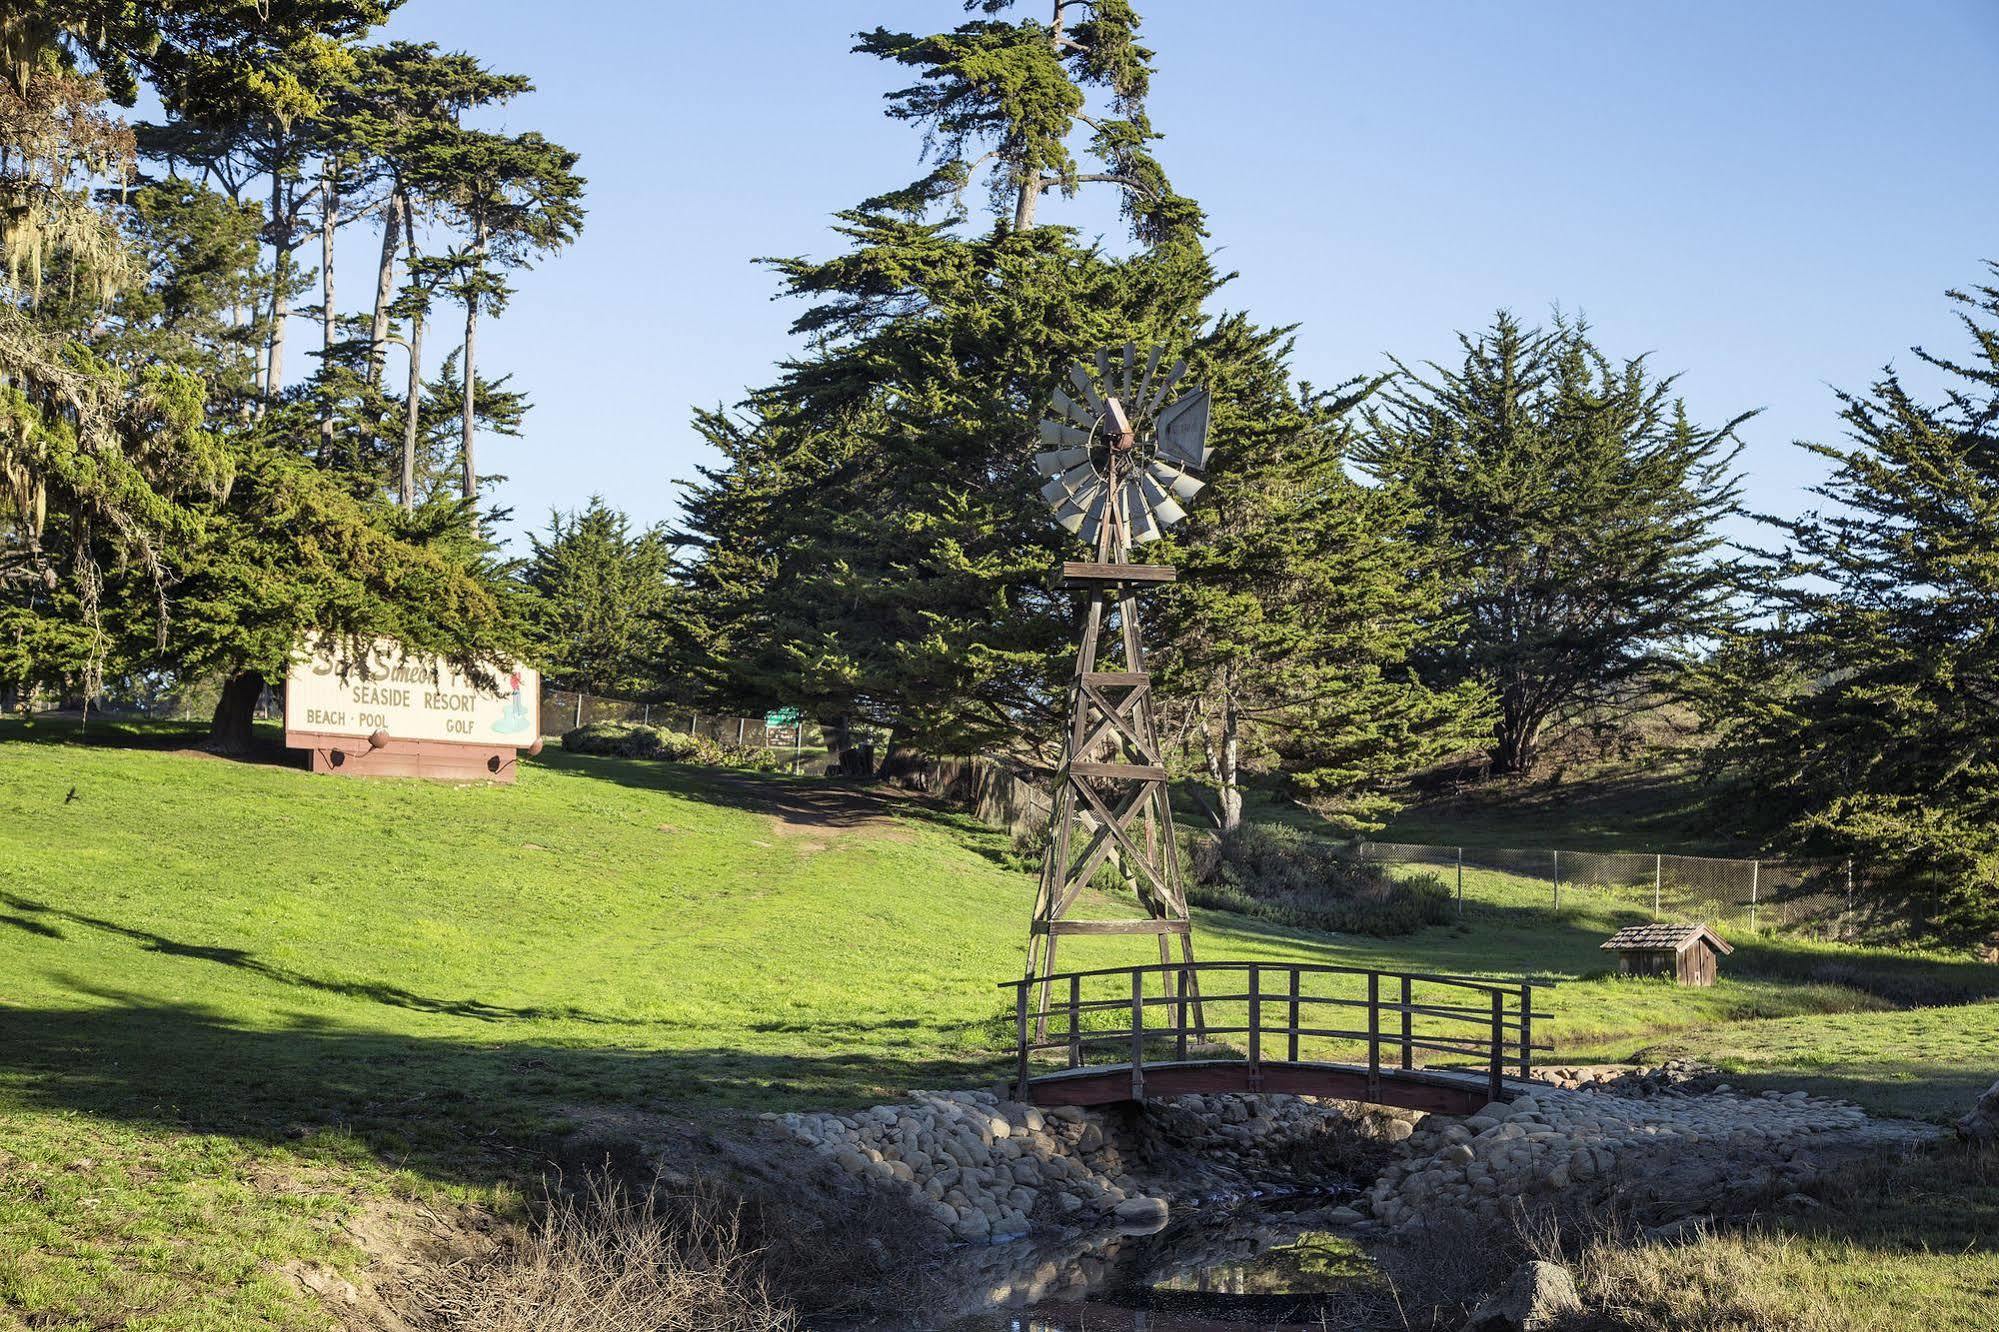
x: 441, y: 760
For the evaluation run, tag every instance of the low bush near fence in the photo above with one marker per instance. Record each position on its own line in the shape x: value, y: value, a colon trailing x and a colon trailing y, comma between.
x: 1278, y: 874
x: 633, y: 740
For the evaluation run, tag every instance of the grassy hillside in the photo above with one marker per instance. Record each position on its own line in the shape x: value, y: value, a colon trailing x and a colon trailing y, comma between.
x: 236, y: 999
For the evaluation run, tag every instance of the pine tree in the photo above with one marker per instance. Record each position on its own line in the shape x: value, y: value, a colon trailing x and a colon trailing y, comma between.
x: 1289, y: 637
x: 874, y: 545
x: 1862, y: 720
x: 1574, y: 506
x: 604, y: 603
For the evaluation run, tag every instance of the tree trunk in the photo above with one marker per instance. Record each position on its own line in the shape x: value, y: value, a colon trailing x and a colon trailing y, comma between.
x: 281, y: 260
x: 229, y: 731
x: 385, y: 286
x: 329, y: 217
x: 1516, y: 745
x: 414, y: 401
x: 1029, y: 198
x: 1231, y: 772
x: 471, y: 373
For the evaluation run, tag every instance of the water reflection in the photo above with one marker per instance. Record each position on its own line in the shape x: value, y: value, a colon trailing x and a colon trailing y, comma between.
x: 1265, y: 1265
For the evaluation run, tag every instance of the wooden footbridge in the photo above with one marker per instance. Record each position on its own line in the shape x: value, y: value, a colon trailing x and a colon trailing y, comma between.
x: 1376, y: 1036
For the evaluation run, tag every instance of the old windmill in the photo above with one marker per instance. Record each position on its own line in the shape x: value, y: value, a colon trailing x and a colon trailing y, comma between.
x: 1123, y: 454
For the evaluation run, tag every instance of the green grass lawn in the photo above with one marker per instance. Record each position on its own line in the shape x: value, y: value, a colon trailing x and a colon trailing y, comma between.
x: 237, y: 1000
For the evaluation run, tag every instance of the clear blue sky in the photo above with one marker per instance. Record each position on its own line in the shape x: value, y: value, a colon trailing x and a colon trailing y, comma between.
x: 1771, y: 196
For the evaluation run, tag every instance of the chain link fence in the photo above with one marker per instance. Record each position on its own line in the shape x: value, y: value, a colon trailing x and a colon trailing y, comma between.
x: 801, y: 746
x: 1758, y: 894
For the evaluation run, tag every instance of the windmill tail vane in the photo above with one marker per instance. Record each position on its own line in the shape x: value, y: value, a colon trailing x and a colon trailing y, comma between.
x: 1125, y: 443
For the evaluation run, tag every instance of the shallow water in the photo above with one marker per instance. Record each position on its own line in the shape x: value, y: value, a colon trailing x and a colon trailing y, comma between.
x: 1266, y: 1264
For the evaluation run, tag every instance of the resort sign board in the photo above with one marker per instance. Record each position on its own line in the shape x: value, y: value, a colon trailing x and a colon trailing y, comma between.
x: 378, y: 709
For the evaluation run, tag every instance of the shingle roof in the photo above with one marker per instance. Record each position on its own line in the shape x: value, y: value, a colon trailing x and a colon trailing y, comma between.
x: 1650, y: 938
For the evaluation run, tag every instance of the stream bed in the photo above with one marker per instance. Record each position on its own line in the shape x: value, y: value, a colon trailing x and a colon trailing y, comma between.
x: 1266, y: 1263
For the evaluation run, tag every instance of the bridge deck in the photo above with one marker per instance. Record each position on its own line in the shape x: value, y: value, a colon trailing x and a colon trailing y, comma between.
x: 1439, y: 1091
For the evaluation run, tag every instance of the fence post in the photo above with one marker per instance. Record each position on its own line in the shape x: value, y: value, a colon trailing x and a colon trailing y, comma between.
x: 1658, y: 877
x: 1137, y: 1035
x: 1461, y: 883
x: 1255, y: 1027
x: 740, y: 723
x: 648, y: 716
x: 1755, y: 874
x: 1495, y: 1087
x: 1408, y: 1050
x: 579, y: 707
x: 1020, y: 1034
x: 1374, y: 1036
x: 1558, y: 880
x: 1526, y: 1028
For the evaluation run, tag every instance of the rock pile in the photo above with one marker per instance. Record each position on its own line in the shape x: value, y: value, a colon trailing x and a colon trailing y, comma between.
x: 1555, y: 1140
x: 984, y: 1167
x: 981, y: 1165
x: 1675, y: 1075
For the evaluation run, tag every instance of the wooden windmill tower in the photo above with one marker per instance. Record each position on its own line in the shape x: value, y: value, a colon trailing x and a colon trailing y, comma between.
x: 1123, y: 454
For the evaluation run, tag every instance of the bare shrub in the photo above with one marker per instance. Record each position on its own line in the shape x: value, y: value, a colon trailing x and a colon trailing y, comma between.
x: 603, y: 1260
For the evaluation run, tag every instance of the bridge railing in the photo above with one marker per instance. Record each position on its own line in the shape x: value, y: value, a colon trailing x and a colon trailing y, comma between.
x: 1315, y: 1011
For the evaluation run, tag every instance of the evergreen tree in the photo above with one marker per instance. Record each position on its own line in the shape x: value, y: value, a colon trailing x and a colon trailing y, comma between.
x: 603, y: 603
x: 1573, y: 505
x: 874, y: 547
x: 1862, y: 720
x: 1290, y: 634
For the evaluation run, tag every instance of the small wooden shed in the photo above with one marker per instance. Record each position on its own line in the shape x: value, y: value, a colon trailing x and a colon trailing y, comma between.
x: 1687, y: 953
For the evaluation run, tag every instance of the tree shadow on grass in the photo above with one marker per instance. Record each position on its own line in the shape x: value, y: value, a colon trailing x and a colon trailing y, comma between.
x: 177, y: 737
x: 470, y: 1112
x: 38, y: 917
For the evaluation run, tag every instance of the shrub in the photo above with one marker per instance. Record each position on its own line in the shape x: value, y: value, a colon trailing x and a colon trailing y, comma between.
x: 606, y: 1261
x: 631, y: 740
x: 1279, y: 874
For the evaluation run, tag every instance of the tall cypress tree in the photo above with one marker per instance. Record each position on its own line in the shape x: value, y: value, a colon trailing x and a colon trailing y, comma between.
x: 875, y: 548
x: 1862, y: 721
x: 1574, y: 506
x: 1290, y: 636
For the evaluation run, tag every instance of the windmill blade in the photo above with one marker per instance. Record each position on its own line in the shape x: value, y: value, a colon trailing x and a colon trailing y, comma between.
x: 1057, y: 461
x: 1165, y: 387
x: 1145, y: 384
x: 1071, y: 482
x: 1081, y: 379
x: 1144, y: 528
x: 1124, y: 380
x: 1176, y: 478
x: 1076, y: 509
x: 1061, y: 435
x: 1159, y: 501
x: 1069, y: 407
x: 1092, y: 526
x: 1183, y: 428
x: 1104, y: 379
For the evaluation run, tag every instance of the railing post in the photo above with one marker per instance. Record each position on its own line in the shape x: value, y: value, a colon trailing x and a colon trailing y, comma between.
x: 1292, y: 1050
x: 1075, y: 1021
x: 1374, y: 1035
x: 1755, y: 874
x: 1137, y: 1035
x: 1658, y: 879
x: 1180, y: 1007
x: 1558, y: 880
x: 1461, y: 883
x: 1526, y: 1030
x: 1408, y: 1050
x: 1020, y: 1033
x: 1494, y: 1076
x: 1255, y: 1028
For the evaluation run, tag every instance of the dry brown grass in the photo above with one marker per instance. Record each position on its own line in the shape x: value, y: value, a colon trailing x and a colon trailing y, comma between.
x: 605, y: 1260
